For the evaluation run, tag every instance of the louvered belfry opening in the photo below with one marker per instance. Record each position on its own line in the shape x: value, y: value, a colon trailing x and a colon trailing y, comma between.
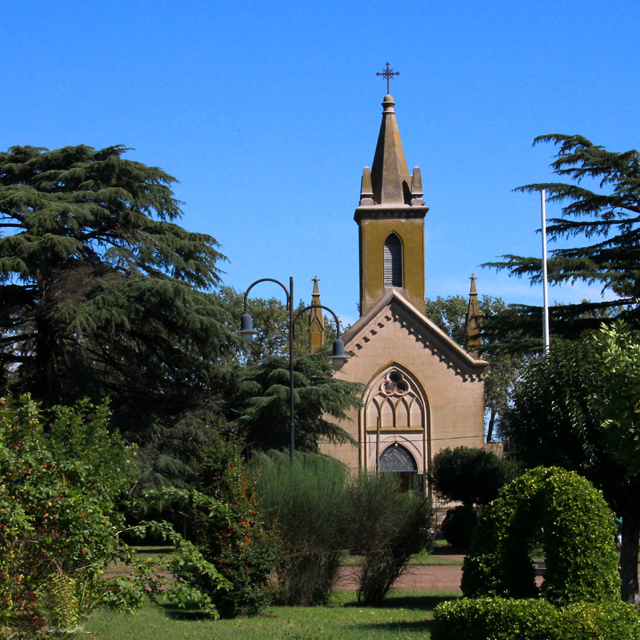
x: 393, y: 261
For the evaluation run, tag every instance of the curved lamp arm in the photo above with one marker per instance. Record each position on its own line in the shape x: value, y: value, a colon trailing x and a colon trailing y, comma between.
x: 316, y: 306
x: 338, y: 357
x: 246, y: 293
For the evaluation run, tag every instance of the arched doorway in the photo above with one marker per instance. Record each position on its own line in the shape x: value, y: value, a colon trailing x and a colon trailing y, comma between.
x: 397, y: 459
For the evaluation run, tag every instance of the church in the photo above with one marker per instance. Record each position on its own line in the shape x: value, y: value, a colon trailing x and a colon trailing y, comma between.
x: 424, y: 392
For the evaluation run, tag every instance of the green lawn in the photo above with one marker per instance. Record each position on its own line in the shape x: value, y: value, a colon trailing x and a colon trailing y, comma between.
x: 406, y: 615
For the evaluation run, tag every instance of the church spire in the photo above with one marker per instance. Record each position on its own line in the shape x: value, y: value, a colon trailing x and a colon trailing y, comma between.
x: 390, y: 178
x: 316, y: 320
x: 391, y: 220
x: 474, y: 318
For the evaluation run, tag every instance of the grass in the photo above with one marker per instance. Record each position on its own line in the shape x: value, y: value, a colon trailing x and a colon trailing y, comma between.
x: 424, y: 559
x: 406, y: 615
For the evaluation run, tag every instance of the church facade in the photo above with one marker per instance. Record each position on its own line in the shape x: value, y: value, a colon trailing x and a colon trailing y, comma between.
x: 424, y: 392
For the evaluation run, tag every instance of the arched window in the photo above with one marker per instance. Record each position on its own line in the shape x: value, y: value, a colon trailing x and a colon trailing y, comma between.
x: 397, y: 459
x: 393, y: 261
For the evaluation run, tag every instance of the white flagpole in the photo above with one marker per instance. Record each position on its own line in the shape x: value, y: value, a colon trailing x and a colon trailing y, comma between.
x: 545, y: 284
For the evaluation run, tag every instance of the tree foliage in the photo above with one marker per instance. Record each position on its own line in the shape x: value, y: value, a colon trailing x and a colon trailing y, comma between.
x: 102, y: 292
x: 504, y: 365
x: 577, y: 408
x: 104, y: 295
x: 608, y: 216
x: 470, y: 476
x: 259, y: 403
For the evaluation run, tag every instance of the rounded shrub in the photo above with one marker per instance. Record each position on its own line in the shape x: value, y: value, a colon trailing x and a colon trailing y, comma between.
x: 580, y: 595
x: 470, y: 476
x: 578, y: 541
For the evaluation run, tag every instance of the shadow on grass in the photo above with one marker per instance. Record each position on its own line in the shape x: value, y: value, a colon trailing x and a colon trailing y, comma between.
x: 407, y: 602
x: 419, y: 626
x: 189, y: 612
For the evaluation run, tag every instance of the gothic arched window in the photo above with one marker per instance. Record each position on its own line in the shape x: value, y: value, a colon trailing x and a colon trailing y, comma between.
x: 392, y: 261
x: 397, y: 459
x: 396, y: 401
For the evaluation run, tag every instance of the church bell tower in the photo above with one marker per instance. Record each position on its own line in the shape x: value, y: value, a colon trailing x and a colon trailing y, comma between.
x: 391, y: 221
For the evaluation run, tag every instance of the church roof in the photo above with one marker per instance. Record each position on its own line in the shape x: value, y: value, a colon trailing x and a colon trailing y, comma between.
x: 390, y: 177
x: 429, y: 329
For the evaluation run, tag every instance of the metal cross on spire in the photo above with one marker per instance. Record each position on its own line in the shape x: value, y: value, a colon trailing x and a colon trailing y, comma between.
x: 388, y: 74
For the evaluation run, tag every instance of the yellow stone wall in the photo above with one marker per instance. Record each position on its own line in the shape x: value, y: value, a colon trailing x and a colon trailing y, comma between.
x: 373, y: 234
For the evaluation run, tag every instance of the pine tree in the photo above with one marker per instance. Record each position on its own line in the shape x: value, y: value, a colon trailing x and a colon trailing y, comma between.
x: 608, y: 217
x: 259, y: 403
x: 102, y: 292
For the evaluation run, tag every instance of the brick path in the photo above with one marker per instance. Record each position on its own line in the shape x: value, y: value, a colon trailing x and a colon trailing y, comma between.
x: 446, y: 578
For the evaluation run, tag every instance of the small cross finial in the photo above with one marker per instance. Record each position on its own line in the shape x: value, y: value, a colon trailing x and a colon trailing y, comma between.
x: 316, y: 279
x: 473, y: 277
x: 388, y: 74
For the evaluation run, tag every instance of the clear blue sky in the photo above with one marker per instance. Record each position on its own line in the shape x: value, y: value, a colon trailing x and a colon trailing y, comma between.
x: 267, y: 112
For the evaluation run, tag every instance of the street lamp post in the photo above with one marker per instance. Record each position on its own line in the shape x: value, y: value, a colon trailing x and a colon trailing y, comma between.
x: 247, y: 333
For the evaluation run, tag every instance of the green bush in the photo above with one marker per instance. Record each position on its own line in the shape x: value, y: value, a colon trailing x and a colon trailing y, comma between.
x: 58, y: 522
x: 459, y: 525
x: 470, y: 476
x: 307, y: 505
x: 510, y: 619
x: 386, y: 526
x: 578, y: 541
x: 233, y: 539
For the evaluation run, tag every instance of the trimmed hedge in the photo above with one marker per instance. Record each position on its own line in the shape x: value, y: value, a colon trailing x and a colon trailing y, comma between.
x: 581, y: 586
x: 578, y: 541
x: 510, y: 619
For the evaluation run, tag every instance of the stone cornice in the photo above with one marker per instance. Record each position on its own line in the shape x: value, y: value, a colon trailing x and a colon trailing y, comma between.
x: 378, y: 212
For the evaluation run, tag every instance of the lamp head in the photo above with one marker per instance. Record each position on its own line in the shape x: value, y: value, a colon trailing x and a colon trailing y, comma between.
x: 338, y: 357
x: 247, y: 332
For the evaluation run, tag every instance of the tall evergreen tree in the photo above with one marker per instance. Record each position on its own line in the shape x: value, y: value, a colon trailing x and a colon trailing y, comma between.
x: 608, y: 216
x: 102, y: 292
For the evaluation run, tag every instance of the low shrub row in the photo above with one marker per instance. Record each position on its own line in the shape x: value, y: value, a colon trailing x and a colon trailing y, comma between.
x: 529, y: 619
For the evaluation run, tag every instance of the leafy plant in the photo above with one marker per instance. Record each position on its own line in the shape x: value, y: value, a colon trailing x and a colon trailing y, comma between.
x: 307, y: 505
x: 235, y: 539
x: 386, y: 526
x: 58, y: 522
x: 577, y: 408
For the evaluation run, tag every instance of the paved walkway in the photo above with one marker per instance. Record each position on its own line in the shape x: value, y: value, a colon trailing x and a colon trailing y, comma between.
x: 424, y: 578
x: 430, y: 578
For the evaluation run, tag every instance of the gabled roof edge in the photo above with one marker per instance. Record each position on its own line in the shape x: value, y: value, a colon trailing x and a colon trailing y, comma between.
x: 391, y: 296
